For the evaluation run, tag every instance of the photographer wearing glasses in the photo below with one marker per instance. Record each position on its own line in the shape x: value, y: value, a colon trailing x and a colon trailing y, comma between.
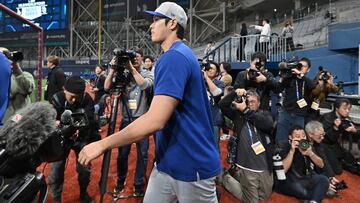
x: 337, y: 125
x: 315, y: 132
x: 296, y: 100
x: 299, y: 158
x: 134, y: 87
x: 257, y: 78
x: 254, y: 145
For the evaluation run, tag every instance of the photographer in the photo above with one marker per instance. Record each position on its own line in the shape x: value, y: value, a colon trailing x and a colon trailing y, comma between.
x: 141, y: 80
x: 254, y: 146
x: 299, y: 158
x: 22, y: 85
x: 5, y: 78
x: 98, y: 87
x: 257, y: 78
x: 315, y: 133
x: 74, y: 98
x: 215, y: 89
x: 337, y: 125
x: 324, y: 86
x: 296, y: 99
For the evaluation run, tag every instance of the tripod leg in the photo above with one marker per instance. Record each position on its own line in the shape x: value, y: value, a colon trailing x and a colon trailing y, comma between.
x: 140, y: 156
x: 107, y: 154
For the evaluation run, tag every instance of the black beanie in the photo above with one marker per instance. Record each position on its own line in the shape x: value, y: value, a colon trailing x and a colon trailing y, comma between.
x: 75, y: 84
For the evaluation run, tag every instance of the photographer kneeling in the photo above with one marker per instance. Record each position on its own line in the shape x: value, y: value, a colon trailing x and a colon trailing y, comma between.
x: 299, y: 160
x: 337, y: 125
x: 253, y: 154
x: 134, y: 92
x: 75, y: 99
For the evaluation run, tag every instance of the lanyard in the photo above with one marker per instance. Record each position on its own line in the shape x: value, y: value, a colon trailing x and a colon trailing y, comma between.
x: 302, y: 89
x: 250, y: 132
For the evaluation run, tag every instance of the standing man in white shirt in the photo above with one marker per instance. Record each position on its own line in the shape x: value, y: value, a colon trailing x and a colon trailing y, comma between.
x: 264, y: 35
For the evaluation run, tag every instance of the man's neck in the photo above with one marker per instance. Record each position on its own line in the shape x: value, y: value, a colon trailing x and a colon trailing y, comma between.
x: 165, y: 45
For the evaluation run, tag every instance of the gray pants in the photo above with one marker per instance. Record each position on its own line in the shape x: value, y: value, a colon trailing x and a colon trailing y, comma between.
x: 164, y: 189
x: 255, y: 186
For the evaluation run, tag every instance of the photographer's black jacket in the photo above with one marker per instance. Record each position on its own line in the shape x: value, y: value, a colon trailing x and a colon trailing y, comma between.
x: 99, y: 83
x: 331, y: 135
x: 263, y: 123
x: 263, y: 89
x: 290, y: 97
x: 60, y: 104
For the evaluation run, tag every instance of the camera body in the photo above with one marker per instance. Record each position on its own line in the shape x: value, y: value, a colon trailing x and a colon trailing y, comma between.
x: 304, y: 144
x: 345, y: 123
x: 325, y: 75
x: 14, y: 56
x: 253, y: 74
x: 240, y: 99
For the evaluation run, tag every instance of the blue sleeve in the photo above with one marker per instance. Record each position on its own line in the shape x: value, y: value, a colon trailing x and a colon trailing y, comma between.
x: 172, y: 73
x: 5, y: 77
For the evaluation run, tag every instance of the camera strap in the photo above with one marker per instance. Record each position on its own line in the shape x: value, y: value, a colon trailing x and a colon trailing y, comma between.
x: 302, y: 90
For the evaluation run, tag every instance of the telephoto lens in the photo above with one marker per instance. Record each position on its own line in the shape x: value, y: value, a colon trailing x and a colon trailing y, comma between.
x: 279, y: 167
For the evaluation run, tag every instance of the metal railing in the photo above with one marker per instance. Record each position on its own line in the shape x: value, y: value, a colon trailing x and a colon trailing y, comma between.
x: 240, y: 49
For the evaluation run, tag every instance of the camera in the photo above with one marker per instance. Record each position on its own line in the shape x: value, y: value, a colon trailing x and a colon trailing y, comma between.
x: 304, y: 144
x: 205, y: 66
x: 14, y: 56
x: 258, y: 64
x: 253, y: 74
x: 231, y: 147
x: 19, y: 181
x: 325, y: 75
x: 123, y: 56
x: 286, y: 67
x: 340, y: 185
x: 345, y: 123
x: 123, y: 76
x: 240, y: 99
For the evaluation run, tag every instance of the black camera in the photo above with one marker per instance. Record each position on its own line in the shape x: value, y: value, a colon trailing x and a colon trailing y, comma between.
x: 304, y: 144
x: 123, y: 76
x: 286, y: 67
x: 340, y: 185
x: 231, y: 147
x: 240, y: 99
x: 325, y: 75
x: 123, y: 56
x: 14, y: 56
x: 253, y: 74
x: 345, y: 123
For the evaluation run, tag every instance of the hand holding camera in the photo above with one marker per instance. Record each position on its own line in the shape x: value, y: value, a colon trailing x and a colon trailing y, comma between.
x: 239, y: 102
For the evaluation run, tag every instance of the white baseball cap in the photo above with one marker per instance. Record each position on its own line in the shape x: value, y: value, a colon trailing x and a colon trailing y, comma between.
x: 171, y: 10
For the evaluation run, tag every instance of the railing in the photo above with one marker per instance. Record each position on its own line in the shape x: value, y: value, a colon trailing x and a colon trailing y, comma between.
x: 240, y: 49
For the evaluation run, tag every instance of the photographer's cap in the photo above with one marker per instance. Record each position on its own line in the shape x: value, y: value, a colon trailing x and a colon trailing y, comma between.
x: 171, y: 10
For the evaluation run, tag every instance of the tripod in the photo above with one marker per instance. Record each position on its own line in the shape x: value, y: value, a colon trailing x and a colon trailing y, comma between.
x: 118, y: 92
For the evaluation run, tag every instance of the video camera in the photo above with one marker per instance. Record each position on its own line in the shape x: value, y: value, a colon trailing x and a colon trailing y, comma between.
x: 19, y: 181
x: 286, y: 67
x: 123, y: 57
